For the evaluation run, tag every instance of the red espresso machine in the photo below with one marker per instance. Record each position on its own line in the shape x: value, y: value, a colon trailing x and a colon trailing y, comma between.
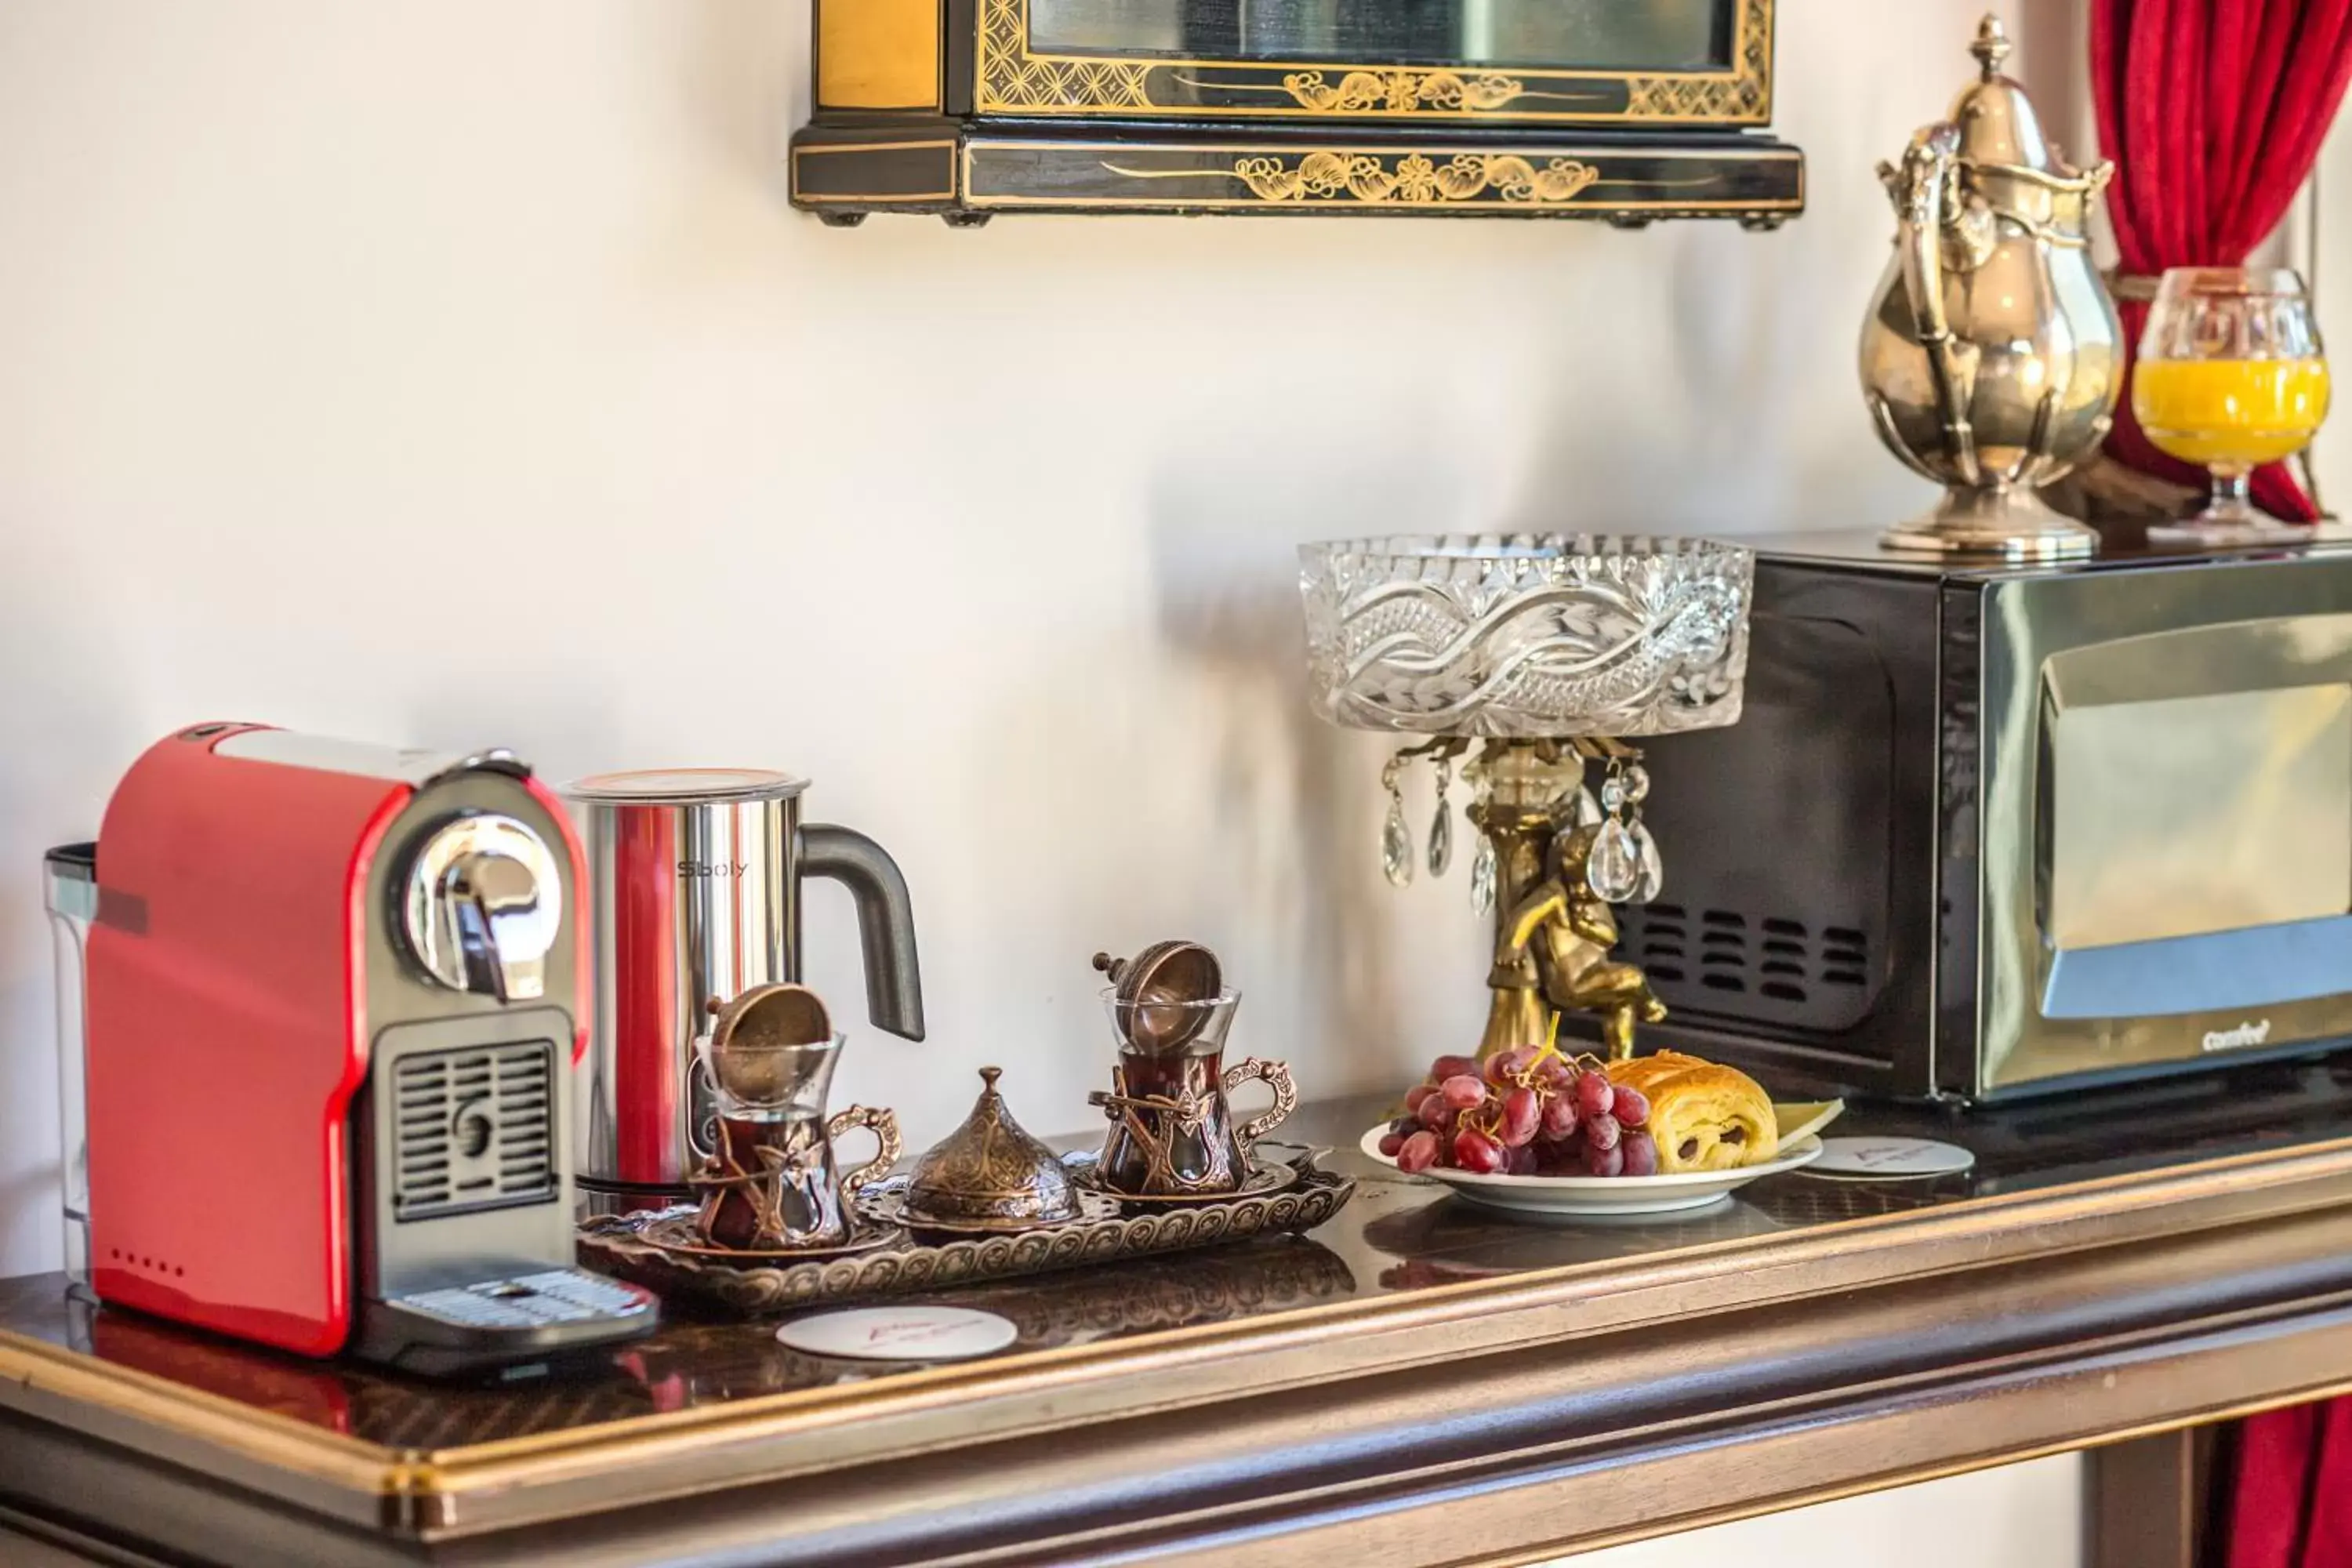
x: 334, y: 999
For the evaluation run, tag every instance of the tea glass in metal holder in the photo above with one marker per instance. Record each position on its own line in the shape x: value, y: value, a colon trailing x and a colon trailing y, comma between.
x: 1172, y: 1131
x: 772, y: 1182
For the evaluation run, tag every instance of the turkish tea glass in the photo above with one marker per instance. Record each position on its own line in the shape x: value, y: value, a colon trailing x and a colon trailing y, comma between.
x: 2231, y: 375
x: 1172, y: 1131
x: 772, y: 1183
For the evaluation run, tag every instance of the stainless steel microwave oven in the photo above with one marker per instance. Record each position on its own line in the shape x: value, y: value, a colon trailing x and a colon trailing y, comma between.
x: 1987, y: 831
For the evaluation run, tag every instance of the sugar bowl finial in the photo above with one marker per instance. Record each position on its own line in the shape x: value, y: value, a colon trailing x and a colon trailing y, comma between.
x: 1991, y: 47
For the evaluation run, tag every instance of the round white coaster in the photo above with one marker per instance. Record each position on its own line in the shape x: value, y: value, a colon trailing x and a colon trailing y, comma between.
x: 1889, y: 1159
x: 900, y: 1333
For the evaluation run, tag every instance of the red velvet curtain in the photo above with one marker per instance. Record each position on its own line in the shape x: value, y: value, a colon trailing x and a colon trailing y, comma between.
x: 2213, y: 112
x: 2291, y: 1496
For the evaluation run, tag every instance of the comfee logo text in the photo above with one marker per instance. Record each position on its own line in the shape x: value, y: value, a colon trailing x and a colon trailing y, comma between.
x: 2252, y: 1033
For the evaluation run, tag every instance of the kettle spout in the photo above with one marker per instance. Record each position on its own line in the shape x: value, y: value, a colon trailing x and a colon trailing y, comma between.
x: 886, y: 921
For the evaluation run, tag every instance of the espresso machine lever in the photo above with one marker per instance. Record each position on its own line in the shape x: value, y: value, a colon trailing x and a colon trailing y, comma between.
x: 495, y: 900
x: 886, y: 921
x: 482, y: 905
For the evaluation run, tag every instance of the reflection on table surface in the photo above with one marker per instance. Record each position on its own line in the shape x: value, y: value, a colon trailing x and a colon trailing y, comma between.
x: 1398, y: 1236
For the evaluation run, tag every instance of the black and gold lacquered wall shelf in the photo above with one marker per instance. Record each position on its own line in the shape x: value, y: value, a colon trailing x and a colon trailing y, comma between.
x: 1623, y: 110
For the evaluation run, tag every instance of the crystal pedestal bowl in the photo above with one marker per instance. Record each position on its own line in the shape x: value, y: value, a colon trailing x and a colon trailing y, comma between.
x: 1550, y: 654
x: 1528, y: 636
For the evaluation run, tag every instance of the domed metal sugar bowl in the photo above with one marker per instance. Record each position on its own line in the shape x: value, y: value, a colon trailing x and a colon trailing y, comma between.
x: 990, y: 1176
x: 1991, y: 356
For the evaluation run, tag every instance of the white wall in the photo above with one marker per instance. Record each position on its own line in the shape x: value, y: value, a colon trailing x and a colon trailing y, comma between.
x: 451, y: 373
x: 2023, y: 1516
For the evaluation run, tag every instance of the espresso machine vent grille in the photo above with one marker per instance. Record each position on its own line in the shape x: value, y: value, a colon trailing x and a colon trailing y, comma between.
x: 475, y: 1129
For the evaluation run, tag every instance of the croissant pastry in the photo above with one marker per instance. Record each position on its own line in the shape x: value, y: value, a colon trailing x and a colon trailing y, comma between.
x: 1704, y: 1116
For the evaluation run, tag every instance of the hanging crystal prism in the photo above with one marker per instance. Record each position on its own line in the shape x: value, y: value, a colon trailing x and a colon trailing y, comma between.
x: 1396, y: 847
x: 1613, y: 868
x: 1441, y: 828
x: 1653, y: 879
x: 1482, y: 876
x: 1396, y: 838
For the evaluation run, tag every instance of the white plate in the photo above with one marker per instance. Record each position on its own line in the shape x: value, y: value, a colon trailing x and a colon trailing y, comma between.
x: 1593, y: 1195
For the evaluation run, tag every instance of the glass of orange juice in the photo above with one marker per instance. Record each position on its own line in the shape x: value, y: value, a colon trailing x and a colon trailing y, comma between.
x: 2230, y: 376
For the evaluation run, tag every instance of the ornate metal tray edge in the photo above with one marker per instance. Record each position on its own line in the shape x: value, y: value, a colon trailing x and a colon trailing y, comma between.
x: 611, y: 1243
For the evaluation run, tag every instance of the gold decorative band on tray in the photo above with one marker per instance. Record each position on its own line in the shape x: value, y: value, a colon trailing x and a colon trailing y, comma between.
x: 1012, y: 78
x: 619, y: 1245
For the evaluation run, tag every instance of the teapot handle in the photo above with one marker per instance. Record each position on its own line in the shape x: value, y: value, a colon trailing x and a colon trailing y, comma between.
x: 1923, y: 190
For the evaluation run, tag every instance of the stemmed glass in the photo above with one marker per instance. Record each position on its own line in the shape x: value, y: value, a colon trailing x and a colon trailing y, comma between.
x: 2230, y: 376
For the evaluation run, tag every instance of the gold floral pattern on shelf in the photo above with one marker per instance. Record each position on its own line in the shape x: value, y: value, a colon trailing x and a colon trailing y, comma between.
x: 1746, y: 94
x: 1415, y: 179
x: 1402, y: 91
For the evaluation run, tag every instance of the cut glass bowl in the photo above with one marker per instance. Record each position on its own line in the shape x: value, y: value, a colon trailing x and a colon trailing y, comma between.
x: 1528, y: 636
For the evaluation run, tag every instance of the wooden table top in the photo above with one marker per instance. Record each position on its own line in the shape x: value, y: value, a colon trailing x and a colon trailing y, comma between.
x: 1309, y: 1396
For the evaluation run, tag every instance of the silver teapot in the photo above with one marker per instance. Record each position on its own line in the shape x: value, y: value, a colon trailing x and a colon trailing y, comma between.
x: 1992, y: 354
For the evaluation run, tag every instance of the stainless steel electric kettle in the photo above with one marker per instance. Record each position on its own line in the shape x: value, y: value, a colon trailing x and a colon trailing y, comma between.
x: 694, y: 881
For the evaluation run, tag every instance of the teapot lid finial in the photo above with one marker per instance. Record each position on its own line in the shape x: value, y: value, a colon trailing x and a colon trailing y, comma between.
x: 1991, y: 47
x: 1999, y: 129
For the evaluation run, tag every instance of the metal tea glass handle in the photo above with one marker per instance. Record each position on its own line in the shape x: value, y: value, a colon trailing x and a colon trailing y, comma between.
x: 884, y: 1125
x: 1276, y: 1078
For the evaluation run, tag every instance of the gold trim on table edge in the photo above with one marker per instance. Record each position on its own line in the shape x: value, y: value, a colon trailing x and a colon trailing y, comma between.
x: 1555, y: 188
x: 819, y: 197
x: 1009, y: 79
x: 285, y: 1442
x: 448, y: 1476
x: 1997, y: 1458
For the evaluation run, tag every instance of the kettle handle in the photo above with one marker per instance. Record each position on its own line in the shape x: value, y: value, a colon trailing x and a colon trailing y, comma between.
x: 1921, y: 189
x: 886, y: 921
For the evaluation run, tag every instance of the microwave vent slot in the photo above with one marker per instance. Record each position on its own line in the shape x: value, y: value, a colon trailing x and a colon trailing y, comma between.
x: 473, y: 1129
x: 1772, y: 969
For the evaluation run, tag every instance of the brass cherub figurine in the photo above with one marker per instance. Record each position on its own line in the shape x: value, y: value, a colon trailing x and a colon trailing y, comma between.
x: 1554, y: 953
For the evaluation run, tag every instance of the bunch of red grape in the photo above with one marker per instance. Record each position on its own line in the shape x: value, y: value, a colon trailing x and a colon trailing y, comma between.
x: 1527, y: 1112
